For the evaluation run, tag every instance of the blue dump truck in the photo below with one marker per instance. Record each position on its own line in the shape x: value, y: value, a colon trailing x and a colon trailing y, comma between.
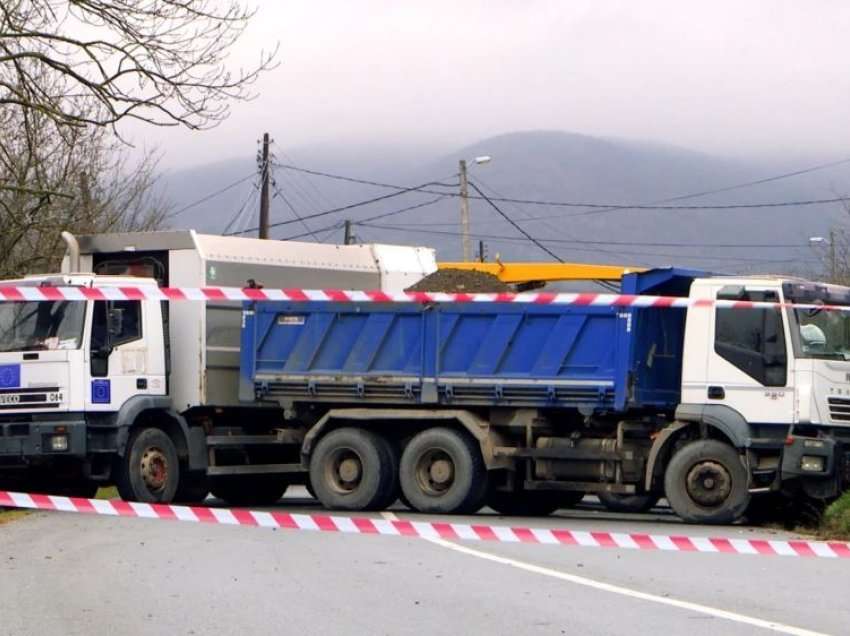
x: 527, y: 407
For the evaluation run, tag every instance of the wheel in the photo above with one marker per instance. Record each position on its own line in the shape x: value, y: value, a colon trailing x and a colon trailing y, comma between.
x: 249, y: 490
x: 353, y: 469
x: 442, y: 472
x: 616, y: 502
x: 193, y: 488
x: 706, y: 482
x: 150, y: 469
x: 309, y: 486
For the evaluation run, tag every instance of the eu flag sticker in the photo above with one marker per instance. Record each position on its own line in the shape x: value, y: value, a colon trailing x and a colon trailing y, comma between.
x: 10, y: 376
x: 101, y: 392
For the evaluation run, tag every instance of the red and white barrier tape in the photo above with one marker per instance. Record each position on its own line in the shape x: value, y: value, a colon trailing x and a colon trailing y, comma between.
x: 46, y: 293
x: 429, y: 529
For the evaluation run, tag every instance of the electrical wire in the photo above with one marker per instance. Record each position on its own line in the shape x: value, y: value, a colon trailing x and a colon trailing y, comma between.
x: 279, y: 193
x: 171, y: 215
x: 502, y: 238
x: 344, y: 208
x: 379, y: 184
x: 515, y: 225
x: 251, y: 196
x: 597, y: 208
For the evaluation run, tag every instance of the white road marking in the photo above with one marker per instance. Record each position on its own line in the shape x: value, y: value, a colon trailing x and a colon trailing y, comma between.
x: 624, y: 591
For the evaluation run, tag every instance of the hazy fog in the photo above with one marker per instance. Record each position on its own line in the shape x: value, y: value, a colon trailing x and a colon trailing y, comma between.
x: 758, y: 77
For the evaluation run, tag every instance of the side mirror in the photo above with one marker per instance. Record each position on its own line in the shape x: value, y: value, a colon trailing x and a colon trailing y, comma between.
x: 115, y: 322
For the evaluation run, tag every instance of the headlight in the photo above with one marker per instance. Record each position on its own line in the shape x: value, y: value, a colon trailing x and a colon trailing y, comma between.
x: 812, y: 463
x: 59, y: 442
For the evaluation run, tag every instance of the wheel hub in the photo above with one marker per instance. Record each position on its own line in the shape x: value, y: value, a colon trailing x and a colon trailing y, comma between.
x: 349, y: 470
x: 441, y: 471
x: 709, y: 483
x: 435, y: 472
x: 343, y: 471
x: 154, y: 468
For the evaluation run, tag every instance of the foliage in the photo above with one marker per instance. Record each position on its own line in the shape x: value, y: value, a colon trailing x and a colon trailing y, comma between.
x: 836, y: 520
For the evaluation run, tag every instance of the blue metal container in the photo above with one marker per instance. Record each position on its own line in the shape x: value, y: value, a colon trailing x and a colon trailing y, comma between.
x: 469, y: 354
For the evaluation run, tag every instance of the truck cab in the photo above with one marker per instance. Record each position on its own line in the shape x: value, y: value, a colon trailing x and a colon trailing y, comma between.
x: 773, y: 381
x: 65, y: 367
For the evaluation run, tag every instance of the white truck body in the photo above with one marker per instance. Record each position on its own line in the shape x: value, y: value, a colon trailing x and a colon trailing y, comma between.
x: 205, y: 336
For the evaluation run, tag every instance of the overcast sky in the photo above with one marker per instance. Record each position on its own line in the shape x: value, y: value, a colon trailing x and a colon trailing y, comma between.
x: 738, y: 77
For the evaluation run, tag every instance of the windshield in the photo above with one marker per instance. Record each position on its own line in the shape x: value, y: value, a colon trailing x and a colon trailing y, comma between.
x: 40, y: 326
x: 823, y: 334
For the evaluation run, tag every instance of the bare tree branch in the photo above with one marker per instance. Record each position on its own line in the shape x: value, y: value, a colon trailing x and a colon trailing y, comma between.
x: 158, y: 61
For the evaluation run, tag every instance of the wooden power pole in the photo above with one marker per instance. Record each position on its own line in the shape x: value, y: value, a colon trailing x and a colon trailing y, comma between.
x: 464, y: 211
x: 264, y: 190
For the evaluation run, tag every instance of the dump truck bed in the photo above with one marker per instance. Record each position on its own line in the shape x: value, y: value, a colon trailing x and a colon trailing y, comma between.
x: 469, y: 354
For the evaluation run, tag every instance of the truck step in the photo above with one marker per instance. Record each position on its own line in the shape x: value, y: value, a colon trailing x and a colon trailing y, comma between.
x: 254, y: 469
x: 220, y: 441
x: 583, y: 486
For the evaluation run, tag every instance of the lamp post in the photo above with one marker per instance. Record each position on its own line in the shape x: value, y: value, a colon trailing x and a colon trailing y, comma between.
x: 820, y: 240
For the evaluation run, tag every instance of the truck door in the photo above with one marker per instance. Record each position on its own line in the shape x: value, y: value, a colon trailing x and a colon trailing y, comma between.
x: 120, y: 364
x: 747, y: 367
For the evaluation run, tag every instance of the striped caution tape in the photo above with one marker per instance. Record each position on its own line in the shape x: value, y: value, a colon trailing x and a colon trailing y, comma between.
x: 429, y: 529
x: 205, y: 294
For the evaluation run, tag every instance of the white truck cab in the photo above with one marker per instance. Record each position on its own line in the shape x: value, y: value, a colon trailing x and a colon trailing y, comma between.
x: 775, y: 380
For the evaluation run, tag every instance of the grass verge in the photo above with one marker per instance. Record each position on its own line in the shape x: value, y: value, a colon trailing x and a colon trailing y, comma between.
x: 836, y: 520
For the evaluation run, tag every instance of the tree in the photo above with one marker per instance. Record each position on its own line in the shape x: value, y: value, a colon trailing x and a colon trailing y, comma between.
x: 82, y: 181
x: 158, y: 61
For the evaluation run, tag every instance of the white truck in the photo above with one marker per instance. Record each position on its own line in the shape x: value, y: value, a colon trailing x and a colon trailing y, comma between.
x: 523, y: 406
x: 144, y: 394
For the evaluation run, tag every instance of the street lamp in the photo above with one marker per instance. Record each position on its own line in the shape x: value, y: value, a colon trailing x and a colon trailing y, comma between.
x: 464, y: 203
x: 820, y: 240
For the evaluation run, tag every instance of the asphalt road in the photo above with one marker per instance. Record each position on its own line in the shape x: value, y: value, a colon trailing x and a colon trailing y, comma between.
x: 62, y: 573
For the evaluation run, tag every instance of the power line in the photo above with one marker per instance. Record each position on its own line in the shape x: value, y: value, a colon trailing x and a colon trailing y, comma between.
x: 516, y: 225
x: 209, y: 196
x: 597, y: 208
x: 347, y: 207
x: 492, y: 237
x: 278, y: 193
x: 572, y: 241
x: 340, y: 177
x: 251, y: 196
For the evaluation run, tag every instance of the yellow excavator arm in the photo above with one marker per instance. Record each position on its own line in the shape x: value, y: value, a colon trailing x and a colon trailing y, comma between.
x: 524, y: 273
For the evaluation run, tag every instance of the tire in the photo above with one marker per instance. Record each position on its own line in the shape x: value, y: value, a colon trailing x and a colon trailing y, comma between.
x: 193, y: 488
x: 249, y: 490
x: 309, y: 486
x: 150, y: 469
x: 628, y: 503
x: 442, y: 472
x: 706, y: 482
x: 353, y: 469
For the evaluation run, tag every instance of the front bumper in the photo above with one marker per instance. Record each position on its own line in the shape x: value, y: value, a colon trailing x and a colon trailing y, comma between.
x: 31, y: 439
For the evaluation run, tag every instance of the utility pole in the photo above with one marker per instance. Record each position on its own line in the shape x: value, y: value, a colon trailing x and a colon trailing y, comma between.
x: 264, y: 190
x: 464, y: 211
x: 480, y: 251
x: 349, y: 237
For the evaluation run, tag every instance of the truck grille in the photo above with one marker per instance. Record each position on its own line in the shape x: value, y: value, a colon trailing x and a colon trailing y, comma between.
x: 839, y: 409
